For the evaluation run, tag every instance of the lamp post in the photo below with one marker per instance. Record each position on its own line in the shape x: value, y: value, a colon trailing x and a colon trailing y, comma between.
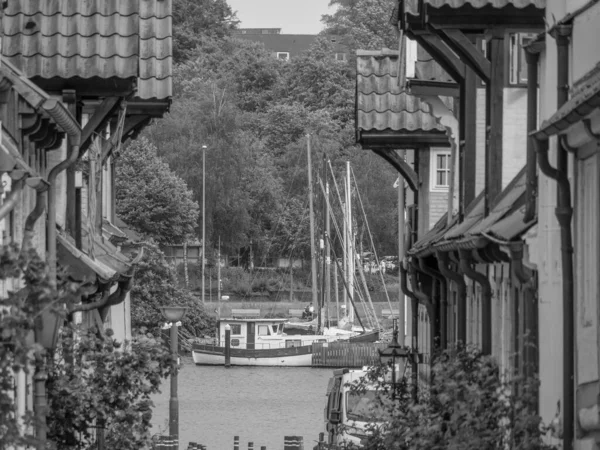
x: 46, y: 334
x: 395, y: 355
x: 174, y: 314
x: 204, y: 147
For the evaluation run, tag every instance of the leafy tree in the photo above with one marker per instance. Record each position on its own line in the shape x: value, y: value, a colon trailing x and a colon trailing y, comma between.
x: 365, y: 24
x: 151, y: 198
x: 156, y: 285
x: 195, y: 20
x: 102, y: 385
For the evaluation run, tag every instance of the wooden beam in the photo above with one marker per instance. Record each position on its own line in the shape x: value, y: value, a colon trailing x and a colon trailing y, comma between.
x: 495, y: 100
x: 392, y: 157
x: 468, y: 121
x: 443, y: 55
x: 468, y: 52
x: 101, y: 115
x: 422, y: 88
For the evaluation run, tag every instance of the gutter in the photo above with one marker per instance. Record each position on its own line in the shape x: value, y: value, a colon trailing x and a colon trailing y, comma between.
x: 69, y: 124
x: 450, y: 275
x: 564, y: 214
x: 486, y: 300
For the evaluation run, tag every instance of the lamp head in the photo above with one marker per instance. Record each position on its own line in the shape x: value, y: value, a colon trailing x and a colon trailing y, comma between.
x: 173, y: 313
x: 204, y: 147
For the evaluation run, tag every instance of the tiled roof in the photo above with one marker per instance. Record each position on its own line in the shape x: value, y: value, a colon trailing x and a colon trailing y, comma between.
x: 92, y: 38
x: 380, y: 102
x: 412, y: 6
x: 426, y: 68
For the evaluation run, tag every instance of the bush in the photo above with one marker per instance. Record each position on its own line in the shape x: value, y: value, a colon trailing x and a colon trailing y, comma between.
x: 468, y: 405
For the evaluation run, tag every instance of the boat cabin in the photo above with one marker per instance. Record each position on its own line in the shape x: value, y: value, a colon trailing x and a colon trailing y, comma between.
x: 260, y: 333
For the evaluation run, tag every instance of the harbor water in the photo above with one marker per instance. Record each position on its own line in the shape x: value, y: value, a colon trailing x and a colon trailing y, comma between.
x: 259, y: 404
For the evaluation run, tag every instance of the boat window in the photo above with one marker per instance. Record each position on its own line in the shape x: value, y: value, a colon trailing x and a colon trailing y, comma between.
x: 263, y: 330
x: 236, y: 329
x: 293, y: 343
x: 275, y: 329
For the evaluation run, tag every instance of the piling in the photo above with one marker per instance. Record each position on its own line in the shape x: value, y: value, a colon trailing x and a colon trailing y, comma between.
x: 236, y: 443
x: 250, y: 445
x: 264, y: 447
x: 293, y: 443
x: 167, y: 443
x: 227, y: 345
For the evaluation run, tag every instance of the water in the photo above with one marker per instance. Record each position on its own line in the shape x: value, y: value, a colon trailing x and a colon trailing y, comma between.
x: 259, y: 404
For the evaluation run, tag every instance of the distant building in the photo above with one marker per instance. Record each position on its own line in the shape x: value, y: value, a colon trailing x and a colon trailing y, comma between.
x: 286, y: 46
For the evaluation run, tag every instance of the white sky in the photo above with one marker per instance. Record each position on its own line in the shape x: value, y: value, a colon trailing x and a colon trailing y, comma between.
x: 292, y: 16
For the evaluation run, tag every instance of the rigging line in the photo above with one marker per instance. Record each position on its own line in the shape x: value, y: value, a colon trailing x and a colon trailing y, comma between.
x: 355, y: 279
x: 345, y: 284
x: 371, y: 239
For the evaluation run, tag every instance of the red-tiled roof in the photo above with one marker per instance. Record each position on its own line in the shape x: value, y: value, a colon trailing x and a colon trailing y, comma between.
x: 92, y: 38
x: 381, y: 104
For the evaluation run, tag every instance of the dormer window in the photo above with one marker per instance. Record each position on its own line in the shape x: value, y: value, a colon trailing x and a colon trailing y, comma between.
x: 517, y: 66
x: 285, y: 56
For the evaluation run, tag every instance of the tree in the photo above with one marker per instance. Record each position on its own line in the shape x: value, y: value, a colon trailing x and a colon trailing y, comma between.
x: 196, y: 20
x: 102, y: 385
x: 151, y: 198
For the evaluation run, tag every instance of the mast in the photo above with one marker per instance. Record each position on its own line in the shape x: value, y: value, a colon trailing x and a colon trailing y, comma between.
x: 327, y: 253
x: 313, y: 252
x: 350, y: 243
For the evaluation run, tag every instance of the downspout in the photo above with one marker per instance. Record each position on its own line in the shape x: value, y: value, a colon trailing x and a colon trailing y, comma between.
x: 564, y: 214
x: 461, y: 328
x: 486, y: 300
x: 415, y: 329
x: 532, y: 98
x: 11, y: 198
x: 68, y: 123
x: 36, y: 213
x: 440, y: 306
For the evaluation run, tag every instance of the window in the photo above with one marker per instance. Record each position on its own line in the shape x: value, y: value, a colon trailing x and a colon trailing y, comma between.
x: 236, y: 329
x: 341, y: 56
x: 517, y: 67
x: 293, y: 343
x: 440, y: 170
x: 274, y: 329
x: 285, y: 56
x: 263, y: 330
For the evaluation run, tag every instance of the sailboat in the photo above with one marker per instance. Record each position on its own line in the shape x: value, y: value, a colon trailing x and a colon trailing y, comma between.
x: 343, y: 325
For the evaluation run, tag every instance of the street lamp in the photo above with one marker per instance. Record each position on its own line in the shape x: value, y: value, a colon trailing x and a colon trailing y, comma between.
x: 46, y: 334
x: 396, y: 356
x: 174, y: 314
x: 204, y: 147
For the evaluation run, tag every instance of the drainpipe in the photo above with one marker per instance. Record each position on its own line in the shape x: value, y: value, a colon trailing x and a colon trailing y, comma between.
x: 68, y: 123
x: 440, y: 305
x: 11, y: 198
x: 40, y: 185
x: 532, y: 98
x: 415, y: 330
x: 450, y: 275
x: 422, y: 296
x: 486, y: 300
x: 564, y: 214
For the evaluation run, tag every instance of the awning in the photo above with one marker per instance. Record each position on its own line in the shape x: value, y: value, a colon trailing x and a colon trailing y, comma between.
x: 424, y: 246
x: 81, y: 266
x: 585, y: 98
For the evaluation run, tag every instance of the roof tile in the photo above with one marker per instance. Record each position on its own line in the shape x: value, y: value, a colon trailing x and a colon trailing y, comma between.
x: 92, y: 38
x: 412, y: 6
x: 381, y: 104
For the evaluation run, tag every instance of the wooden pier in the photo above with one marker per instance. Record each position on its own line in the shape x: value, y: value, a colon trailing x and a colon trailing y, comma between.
x: 346, y: 354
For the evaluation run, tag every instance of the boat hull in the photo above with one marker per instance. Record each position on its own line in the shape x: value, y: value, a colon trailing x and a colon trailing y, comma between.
x: 210, y: 355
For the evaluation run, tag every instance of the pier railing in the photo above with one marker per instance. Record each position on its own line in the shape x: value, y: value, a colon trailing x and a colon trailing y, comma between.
x: 346, y: 354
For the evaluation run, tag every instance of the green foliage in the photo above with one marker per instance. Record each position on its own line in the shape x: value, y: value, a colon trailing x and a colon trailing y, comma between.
x: 151, y: 198
x: 95, y: 384
x: 467, y: 405
x: 29, y: 300
x: 156, y: 285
